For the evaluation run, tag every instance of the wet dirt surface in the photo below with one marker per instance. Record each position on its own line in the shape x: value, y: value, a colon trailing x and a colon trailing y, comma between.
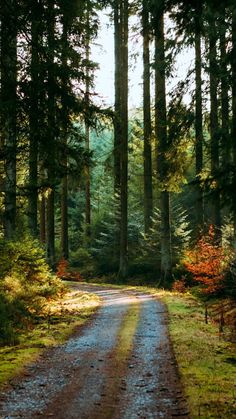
x: 85, y: 379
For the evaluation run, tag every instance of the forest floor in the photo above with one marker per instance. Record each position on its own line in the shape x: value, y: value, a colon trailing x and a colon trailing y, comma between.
x: 121, y: 365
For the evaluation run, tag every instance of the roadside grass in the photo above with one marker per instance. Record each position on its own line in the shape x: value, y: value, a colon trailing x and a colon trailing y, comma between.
x: 60, y: 319
x: 206, y: 362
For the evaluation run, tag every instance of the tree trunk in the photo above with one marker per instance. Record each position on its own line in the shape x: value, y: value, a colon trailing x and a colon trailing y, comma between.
x: 34, y: 122
x: 225, y: 138
x: 233, y: 65
x: 117, y: 120
x: 148, y: 193
x: 162, y: 147
x: 64, y: 218
x: 123, y: 117
x: 51, y: 137
x: 198, y: 122
x: 87, y: 138
x: 42, y: 209
x: 214, y: 127
x: 8, y: 117
x: 65, y: 124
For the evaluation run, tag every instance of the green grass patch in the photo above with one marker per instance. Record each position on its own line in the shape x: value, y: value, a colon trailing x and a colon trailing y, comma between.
x: 59, y: 321
x: 207, y: 363
x: 127, y: 332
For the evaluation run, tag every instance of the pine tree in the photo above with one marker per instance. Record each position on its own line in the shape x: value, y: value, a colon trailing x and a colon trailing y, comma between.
x: 162, y: 143
x: 147, y: 153
x: 121, y: 11
x: 8, y: 66
x: 51, y: 125
x: 233, y: 133
x: 198, y: 111
x: 214, y: 121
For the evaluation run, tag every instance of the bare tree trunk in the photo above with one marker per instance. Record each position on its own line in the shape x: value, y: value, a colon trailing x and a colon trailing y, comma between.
x: 117, y: 121
x: 65, y: 123
x: 64, y: 218
x: 233, y: 65
x: 148, y: 193
x: 162, y: 147
x: 214, y: 126
x: 87, y: 138
x: 198, y: 121
x: 34, y: 122
x: 225, y: 137
x: 51, y: 137
x: 42, y: 209
x: 123, y: 268
x: 8, y: 117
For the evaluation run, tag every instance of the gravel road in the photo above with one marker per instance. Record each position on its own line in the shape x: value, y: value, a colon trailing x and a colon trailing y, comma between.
x: 96, y: 374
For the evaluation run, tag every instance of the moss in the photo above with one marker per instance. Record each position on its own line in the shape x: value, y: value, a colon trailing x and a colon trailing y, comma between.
x: 208, y: 381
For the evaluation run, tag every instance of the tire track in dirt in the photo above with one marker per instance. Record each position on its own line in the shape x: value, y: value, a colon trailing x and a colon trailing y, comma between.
x: 120, y: 366
x: 59, y: 367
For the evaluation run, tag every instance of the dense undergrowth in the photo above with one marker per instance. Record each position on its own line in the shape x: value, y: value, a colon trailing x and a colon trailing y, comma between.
x: 27, y: 285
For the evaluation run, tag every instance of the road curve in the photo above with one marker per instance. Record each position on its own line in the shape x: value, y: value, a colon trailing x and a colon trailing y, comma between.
x: 120, y: 366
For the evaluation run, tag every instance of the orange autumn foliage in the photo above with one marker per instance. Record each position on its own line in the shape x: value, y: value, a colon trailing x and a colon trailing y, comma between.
x: 207, y: 263
x: 62, y: 268
x: 63, y: 271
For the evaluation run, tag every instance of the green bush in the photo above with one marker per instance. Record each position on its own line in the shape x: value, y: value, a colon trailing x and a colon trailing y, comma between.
x: 80, y: 258
x: 26, y: 285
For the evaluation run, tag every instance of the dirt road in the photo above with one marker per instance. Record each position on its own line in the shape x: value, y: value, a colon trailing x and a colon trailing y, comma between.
x: 120, y: 366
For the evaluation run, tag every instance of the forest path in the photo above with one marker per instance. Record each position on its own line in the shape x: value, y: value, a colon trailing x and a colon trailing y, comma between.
x: 120, y: 365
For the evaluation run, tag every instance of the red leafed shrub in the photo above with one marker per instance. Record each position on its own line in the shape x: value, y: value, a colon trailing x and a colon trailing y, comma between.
x: 207, y: 262
x: 62, y: 267
x: 179, y: 286
x: 63, y: 271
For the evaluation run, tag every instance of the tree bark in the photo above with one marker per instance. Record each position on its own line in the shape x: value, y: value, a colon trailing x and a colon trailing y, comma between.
x: 233, y: 133
x: 65, y: 124
x: 162, y: 147
x: 42, y: 209
x: 147, y: 126
x: 214, y: 127
x: 117, y: 121
x: 123, y: 140
x: 34, y: 122
x: 51, y: 137
x: 87, y: 137
x: 198, y: 122
x: 8, y: 111
x: 225, y: 137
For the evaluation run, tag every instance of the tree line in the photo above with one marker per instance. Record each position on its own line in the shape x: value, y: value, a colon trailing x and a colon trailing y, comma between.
x: 48, y: 119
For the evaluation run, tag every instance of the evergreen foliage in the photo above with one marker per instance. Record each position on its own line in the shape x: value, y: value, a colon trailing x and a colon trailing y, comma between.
x: 26, y: 284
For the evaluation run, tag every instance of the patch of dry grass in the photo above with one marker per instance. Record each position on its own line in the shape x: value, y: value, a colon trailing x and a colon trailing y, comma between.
x: 59, y: 320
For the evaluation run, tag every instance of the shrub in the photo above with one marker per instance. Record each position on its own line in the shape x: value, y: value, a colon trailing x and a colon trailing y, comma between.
x: 208, y: 262
x: 179, y: 286
x: 63, y: 271
x: 26, y: 284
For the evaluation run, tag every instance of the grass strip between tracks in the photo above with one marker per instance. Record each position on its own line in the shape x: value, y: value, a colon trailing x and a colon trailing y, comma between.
x: 120, y: 357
